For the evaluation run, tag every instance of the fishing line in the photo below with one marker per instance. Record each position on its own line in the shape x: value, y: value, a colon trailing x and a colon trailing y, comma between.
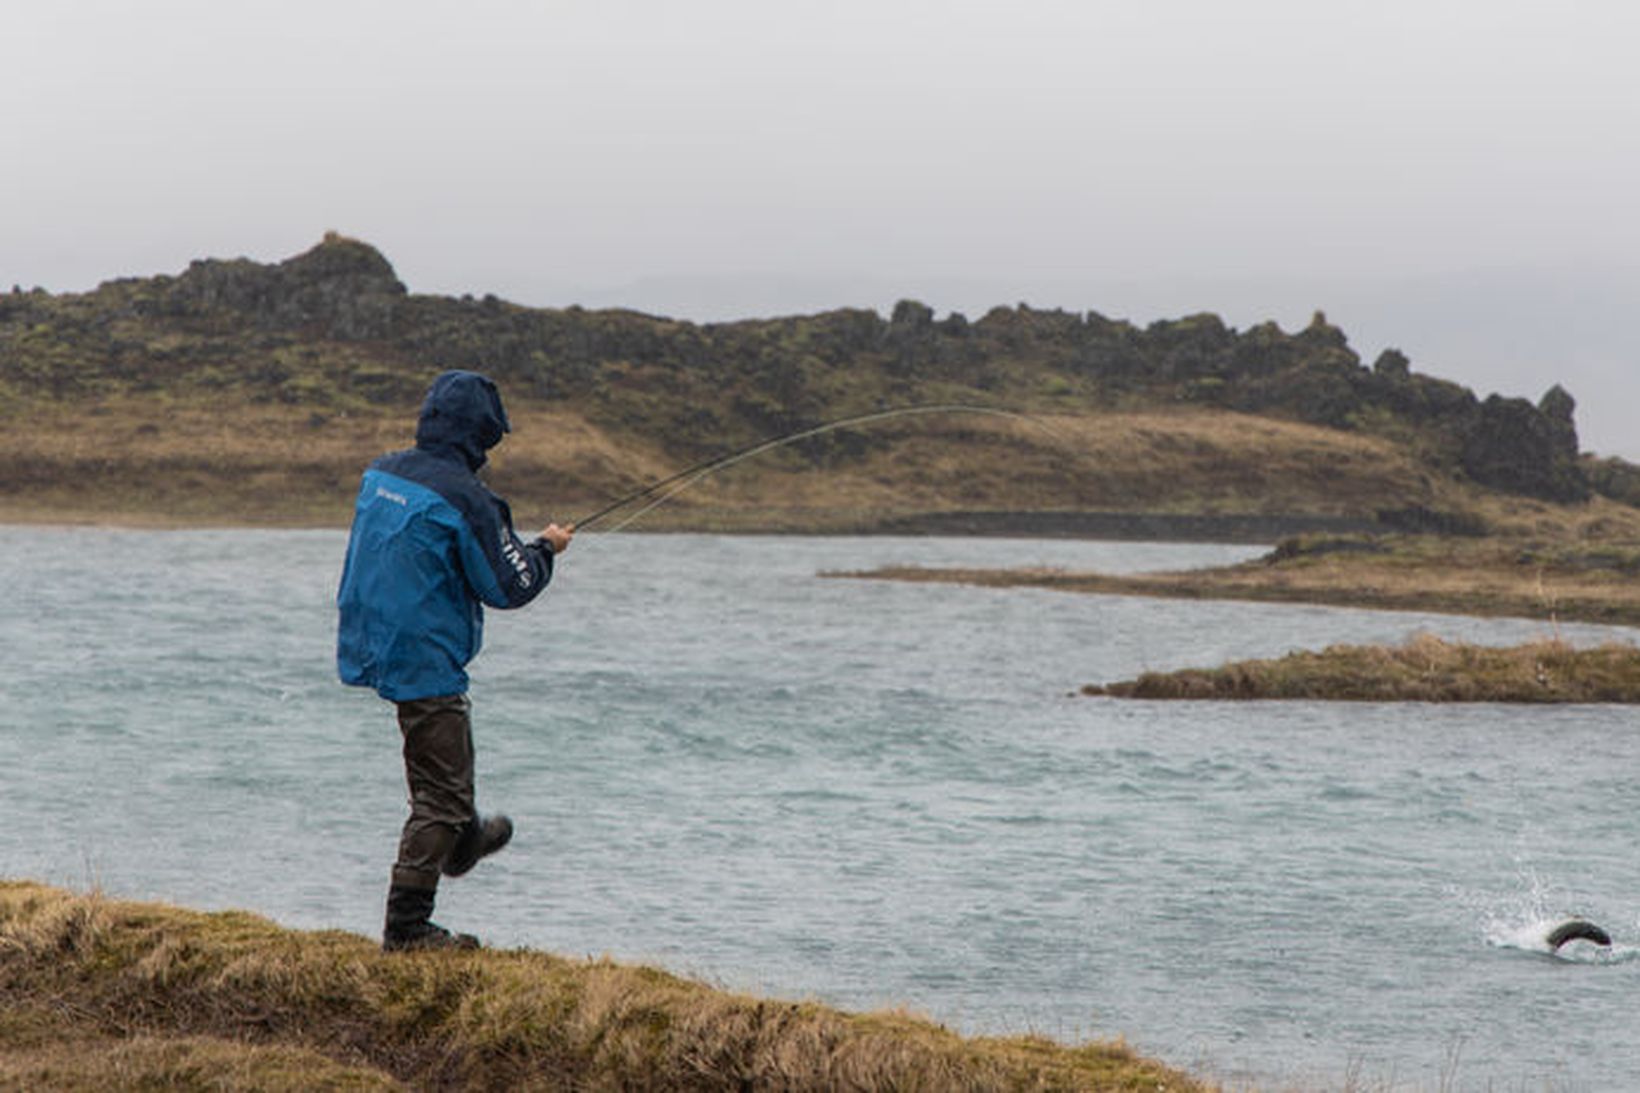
x: 669, y: 487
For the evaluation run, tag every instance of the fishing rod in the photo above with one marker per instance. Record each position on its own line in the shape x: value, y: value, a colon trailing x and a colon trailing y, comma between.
x: 676, y: 483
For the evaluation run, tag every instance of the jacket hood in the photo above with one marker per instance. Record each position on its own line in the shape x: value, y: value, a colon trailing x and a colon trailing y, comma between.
x: 462, y: 414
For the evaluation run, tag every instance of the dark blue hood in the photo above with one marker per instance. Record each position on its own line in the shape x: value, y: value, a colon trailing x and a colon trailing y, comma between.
x: 462, y: 414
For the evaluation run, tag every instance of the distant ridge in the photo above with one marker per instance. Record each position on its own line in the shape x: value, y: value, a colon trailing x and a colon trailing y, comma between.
x: 334, y: 333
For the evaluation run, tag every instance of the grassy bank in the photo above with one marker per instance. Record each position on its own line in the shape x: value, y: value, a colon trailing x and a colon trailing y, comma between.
x: 1425, y: 669
x: 104, y: 994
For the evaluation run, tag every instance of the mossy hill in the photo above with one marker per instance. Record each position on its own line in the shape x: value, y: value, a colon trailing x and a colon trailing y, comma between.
x: 239, y: 390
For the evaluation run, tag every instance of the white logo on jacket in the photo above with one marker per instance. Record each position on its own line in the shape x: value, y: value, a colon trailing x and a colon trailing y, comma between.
x: 510, y: 551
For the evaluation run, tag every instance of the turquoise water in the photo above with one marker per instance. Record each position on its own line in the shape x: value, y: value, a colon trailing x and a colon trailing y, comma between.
x: 873, y: 794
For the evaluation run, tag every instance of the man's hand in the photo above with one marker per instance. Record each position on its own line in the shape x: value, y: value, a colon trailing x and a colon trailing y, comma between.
x: 558, y: 538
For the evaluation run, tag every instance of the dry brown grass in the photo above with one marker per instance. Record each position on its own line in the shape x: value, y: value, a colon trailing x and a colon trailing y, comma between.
x: 1196, y: 460
x: 159, y: 460
x: 1424, y: 669
x: 60, y: 1059
x: 102, y: 994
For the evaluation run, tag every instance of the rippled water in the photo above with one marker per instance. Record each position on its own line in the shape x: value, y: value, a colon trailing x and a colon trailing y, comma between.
x: 875, y: 794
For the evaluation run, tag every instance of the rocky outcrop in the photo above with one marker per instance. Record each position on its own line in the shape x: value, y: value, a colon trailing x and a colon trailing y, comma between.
x: 910, y: 337
x: 1516, y: 447
x: 341, y: 289
x: 1558, y: 407
x: 1612, y: 477
x: 1392, y: 364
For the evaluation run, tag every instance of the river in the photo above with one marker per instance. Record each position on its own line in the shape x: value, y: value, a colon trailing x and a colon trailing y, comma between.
x: 867, y: 793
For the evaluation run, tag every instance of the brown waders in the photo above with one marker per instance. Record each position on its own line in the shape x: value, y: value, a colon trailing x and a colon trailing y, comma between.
x: 444, y: 833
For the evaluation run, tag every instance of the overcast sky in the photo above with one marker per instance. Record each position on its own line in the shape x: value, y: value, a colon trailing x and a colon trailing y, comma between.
x: 1456, y: 178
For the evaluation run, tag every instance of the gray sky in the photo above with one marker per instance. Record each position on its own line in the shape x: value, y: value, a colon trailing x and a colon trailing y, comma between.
x: 1455, y: 178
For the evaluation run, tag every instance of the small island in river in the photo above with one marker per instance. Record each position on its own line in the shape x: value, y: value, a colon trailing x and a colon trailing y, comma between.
x: 1424, y: 669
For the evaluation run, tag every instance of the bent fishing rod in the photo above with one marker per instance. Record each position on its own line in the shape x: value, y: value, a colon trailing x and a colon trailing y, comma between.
x: 674, y: 484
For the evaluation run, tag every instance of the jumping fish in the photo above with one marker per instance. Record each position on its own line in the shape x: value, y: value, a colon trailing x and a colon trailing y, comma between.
x: 1577, y: 929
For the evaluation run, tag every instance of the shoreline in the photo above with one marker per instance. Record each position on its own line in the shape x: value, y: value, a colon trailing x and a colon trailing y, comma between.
x: 1234, y: 529
x: 1435, y: 588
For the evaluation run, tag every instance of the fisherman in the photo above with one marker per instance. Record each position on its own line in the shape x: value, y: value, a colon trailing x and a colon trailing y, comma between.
x: 430, y: 546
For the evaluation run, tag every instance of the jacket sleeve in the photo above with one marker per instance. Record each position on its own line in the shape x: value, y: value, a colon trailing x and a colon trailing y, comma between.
x: 501, y: 569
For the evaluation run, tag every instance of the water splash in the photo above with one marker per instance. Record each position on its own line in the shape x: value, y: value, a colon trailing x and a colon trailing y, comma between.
x: 1522, y: 920
x: 1533, y: 937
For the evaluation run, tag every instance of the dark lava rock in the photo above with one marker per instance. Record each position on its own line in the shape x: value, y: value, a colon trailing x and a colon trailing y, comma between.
x: 1514, y: 446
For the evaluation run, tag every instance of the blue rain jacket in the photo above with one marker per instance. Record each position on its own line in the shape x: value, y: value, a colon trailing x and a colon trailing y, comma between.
x: 430, y: 546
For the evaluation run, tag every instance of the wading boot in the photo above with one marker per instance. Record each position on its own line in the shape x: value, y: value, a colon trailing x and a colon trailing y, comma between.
x: 480, y: 837
x: 410, y: 925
